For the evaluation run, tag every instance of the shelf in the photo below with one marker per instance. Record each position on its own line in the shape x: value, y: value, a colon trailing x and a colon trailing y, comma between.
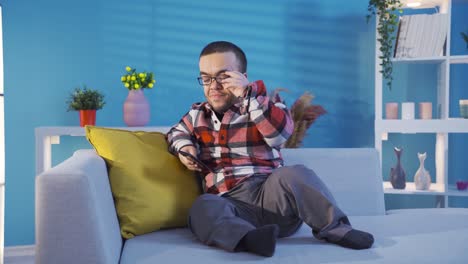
x: 424, y: 4
x: 458, y: 59
x: 46, y: 136
x: 79, y: 131
x: 435, y: 189
x: 420, y: 60
x: 451, y: 125
x: 443, y: 124
x: 453, y: 191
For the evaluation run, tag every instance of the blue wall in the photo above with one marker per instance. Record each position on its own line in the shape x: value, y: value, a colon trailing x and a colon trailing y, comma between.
x: 52, y: 46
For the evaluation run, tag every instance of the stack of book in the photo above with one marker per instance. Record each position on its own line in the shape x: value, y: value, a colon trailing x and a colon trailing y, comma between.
x: 421, y: 36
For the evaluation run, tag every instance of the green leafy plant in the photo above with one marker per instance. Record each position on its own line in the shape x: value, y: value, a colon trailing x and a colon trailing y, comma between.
x: 465, y: 37
x: 386, y: 26
x: 134, y: 80
x: 85, y: 99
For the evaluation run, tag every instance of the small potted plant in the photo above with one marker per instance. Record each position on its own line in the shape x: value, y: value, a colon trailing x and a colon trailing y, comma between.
x: 86, y: 101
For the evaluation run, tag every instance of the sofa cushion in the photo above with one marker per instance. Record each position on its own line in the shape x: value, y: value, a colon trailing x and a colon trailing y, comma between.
x: 422, y: 236
x: 151, y: 188
x: 352, y: 175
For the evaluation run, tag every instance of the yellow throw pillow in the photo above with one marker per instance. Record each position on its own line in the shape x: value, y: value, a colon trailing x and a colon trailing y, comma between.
x: 152, y: 189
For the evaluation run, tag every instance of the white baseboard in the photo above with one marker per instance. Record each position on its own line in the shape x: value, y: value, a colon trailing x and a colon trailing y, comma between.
x: 18, y: 251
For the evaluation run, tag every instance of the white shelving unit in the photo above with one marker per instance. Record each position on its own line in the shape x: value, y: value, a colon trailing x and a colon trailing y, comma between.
x: 2, y: 145
x: 441, y: 126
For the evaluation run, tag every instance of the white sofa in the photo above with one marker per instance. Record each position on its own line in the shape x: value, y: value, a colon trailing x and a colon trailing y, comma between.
x: 76, y: 221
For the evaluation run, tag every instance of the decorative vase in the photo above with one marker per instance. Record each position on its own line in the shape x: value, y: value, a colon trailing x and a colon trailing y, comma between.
x: 136, y: 109
x: 407, y: 110
x: 397, y: 174
x: 464, y: 108
x: 391, y: 110
x: 87, y: 117
x: 425, y: 110
x: 422, y: 179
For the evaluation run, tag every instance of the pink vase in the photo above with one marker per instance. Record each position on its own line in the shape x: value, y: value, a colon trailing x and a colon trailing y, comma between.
x: 136, y: 109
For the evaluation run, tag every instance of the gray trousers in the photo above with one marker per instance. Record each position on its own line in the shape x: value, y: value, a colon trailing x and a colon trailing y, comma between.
x: 289, y: 196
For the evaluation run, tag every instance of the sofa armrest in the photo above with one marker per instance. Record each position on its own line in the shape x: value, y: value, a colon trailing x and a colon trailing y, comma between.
x: 76, y: 220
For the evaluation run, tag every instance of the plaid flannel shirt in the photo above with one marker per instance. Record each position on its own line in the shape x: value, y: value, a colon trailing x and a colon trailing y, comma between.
x: 245, y: 142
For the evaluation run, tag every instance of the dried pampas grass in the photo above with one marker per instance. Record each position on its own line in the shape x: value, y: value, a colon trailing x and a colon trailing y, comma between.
x: 303, y: 113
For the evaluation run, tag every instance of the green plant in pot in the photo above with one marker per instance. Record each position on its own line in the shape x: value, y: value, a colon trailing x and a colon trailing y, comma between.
x: 87, y: 101
x: 386, y: 26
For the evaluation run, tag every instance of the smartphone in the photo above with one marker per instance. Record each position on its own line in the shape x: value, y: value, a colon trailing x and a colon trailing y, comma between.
x: 196, y: 160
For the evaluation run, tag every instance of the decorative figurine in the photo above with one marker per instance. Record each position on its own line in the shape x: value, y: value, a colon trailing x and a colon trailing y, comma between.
x: 397, y: 174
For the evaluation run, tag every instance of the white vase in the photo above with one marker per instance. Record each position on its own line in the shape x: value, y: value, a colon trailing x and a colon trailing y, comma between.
x: 407, y: 110
x: 422, y: 179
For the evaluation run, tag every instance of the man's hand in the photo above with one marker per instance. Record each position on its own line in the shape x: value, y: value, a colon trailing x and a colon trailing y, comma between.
x: 235, y: 83
x: 190, y: 164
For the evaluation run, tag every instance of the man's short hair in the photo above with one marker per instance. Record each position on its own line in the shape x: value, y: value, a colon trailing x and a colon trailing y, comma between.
x: 225, y: 46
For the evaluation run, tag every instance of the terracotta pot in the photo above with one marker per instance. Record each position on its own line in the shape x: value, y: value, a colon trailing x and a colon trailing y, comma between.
x: 87, y: 117
x: 136, y: 109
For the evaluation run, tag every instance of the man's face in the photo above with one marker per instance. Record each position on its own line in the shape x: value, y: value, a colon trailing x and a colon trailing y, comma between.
x: 214, y: 65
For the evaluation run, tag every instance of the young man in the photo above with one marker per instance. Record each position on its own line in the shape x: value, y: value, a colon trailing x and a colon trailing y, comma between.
x: 251, y: 198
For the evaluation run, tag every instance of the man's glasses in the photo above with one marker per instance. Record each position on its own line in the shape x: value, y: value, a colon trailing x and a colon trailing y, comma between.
x: 207, y: 80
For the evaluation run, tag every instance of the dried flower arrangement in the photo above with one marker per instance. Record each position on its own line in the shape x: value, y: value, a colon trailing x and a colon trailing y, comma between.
x: 303, y: 113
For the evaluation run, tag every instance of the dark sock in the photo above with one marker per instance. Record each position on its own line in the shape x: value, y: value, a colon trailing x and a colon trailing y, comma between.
x: 261, y: 241
x: 356, y: 239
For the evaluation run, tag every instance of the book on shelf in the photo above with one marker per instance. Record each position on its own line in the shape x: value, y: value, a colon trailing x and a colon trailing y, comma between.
x: 421, y: 35
x: 402, y: 33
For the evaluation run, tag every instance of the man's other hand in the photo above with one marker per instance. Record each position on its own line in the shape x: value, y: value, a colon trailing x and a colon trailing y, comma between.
x: 235, y: 83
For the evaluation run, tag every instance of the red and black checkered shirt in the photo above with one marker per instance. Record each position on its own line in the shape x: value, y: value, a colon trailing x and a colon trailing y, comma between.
x: 245, y: 142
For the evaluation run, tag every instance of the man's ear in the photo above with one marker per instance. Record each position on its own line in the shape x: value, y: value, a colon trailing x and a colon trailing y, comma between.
x: 245, y: 74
